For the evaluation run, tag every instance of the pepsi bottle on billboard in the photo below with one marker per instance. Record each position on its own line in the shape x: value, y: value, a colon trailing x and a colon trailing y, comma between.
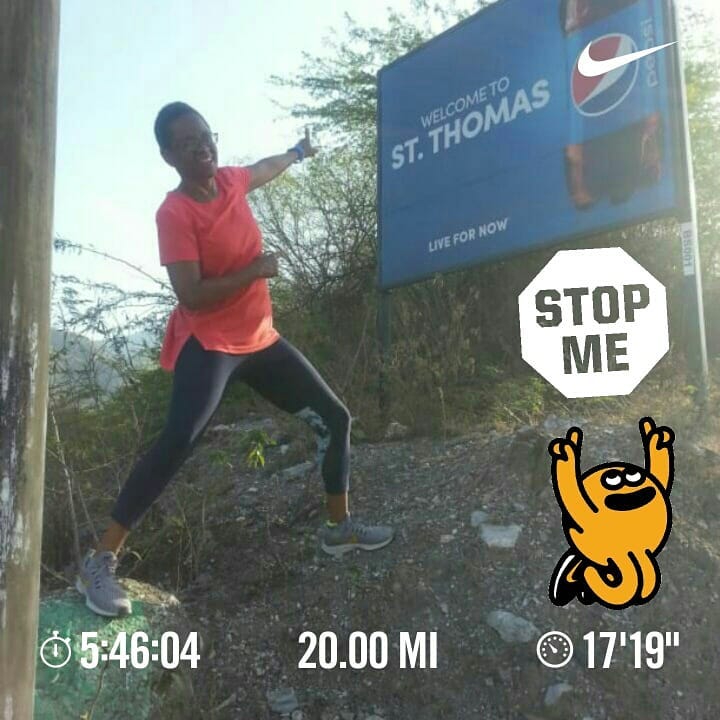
x: 615, y: 126
x: 576, y: 14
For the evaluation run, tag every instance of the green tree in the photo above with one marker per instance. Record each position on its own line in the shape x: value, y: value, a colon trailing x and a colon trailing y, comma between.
x: 342, y: 85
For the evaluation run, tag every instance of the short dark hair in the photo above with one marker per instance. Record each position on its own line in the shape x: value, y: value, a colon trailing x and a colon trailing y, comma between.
x: 167, y: 115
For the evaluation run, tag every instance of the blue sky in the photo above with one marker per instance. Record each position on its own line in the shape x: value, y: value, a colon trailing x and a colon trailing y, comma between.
x: 121, y: 61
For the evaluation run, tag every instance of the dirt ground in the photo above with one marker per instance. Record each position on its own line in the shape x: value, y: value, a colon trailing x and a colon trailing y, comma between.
x: 265, y: 582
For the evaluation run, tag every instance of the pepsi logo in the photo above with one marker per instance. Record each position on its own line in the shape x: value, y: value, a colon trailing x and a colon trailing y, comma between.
x: 595, y: 96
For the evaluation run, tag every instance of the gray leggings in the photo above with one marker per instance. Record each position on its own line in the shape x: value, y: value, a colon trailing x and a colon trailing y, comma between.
x: 280, y: 373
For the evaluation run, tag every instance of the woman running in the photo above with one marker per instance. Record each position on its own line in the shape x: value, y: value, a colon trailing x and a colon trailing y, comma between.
x: 222, y: 330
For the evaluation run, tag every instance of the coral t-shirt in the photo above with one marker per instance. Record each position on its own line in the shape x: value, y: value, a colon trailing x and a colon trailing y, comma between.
x: 223, y: 237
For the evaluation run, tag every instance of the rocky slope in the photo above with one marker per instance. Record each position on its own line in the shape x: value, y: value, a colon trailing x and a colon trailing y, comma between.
x: 478, y: 535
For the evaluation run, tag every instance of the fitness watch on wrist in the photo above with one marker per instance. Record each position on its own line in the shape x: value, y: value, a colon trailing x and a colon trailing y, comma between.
x: 298, y: 149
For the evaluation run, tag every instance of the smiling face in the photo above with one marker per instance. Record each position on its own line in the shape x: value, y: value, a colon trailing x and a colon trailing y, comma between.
x: 630, y: 513
x: 621, y: 488
x: 192, y: 151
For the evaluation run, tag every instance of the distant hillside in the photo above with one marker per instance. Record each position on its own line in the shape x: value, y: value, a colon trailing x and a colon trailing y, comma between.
x: 74, y: 357
x: 138, y: 341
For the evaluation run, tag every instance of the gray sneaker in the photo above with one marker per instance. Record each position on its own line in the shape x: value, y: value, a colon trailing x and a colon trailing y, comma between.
x: 351, y: 534
x: 97, y: 582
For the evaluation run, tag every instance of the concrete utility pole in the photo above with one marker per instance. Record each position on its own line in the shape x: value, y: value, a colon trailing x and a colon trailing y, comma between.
x: 29, y: 31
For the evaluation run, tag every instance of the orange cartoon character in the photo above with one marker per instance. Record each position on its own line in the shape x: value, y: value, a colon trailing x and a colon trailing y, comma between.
x: 616, y: 517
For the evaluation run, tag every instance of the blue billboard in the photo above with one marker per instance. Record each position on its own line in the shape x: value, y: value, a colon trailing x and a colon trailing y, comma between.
x: 491, y: 141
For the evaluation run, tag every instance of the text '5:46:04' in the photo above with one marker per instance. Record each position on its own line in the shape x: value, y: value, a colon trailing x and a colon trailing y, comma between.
x: 140, y: 651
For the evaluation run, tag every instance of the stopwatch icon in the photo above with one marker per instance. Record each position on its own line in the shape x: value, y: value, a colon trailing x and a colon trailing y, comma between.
x: 55, y: 652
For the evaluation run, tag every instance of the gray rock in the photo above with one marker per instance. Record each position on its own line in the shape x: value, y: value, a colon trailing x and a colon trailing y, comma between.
x: 478, y: 518
x: 267, y: 424
x: 511, y: 628
x: 282, y: 700
x: 247, y: 501
x: 500, y: 536
x: 297, y: 715
x: 296, y: 471
x: 555, y: 692
x: 222, y: 428
x: 345, y: 715
x: 396, y: 431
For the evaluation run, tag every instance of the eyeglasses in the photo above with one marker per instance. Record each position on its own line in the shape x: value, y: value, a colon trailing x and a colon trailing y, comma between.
x: 191, y: 144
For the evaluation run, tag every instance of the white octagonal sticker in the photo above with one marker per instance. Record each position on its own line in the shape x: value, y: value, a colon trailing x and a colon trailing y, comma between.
x: 593, y: 322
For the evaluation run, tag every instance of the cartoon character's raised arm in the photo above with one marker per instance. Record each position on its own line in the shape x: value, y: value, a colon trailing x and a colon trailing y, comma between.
x: 658, y: 451
x: 565, y: 453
